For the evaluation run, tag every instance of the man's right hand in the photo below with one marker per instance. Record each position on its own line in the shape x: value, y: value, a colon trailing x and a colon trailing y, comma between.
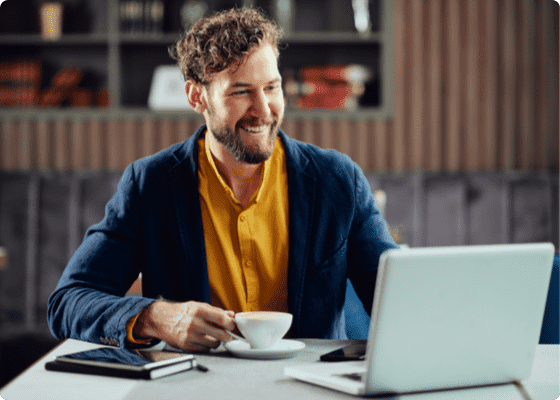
x: 190, y: 326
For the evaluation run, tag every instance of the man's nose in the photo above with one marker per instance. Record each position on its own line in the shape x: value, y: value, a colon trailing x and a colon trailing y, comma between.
x: 261, y: 106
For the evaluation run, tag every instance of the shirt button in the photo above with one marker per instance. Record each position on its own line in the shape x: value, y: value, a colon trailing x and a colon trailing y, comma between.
x: 242, y: 218
x: 249, y: 263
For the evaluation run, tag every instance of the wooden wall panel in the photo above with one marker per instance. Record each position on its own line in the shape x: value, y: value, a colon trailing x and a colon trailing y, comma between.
x: 475, y: 89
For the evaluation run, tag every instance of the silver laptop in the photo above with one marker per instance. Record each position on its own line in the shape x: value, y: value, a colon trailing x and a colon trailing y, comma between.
x: 447, y: 317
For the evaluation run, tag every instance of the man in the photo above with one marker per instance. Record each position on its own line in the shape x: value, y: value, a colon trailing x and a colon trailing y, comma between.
x: 238, y: 217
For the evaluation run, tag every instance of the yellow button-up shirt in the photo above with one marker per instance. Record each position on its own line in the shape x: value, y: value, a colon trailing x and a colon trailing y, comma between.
x: 246, y: 248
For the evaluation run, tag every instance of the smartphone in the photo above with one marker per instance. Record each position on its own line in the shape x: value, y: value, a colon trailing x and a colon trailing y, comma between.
x: 353, y: 352
x: 146, y: 364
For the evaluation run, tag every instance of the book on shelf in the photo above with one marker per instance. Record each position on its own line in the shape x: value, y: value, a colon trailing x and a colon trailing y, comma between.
x: 337, y: 100
x: 103, y: 98
x: 328, y: 86
x: 141, y: 16
x: 64, y: 83
x: 81, y: 98
x: 351, y: 73
x: 308, y: 88
x: 20, y: 83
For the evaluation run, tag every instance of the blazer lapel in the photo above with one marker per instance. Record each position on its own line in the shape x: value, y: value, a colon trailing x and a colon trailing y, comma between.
x: 301, y: 197
x: 184, y: 186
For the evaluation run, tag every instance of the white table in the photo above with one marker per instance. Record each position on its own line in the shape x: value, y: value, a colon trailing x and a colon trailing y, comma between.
x: 234, y: 378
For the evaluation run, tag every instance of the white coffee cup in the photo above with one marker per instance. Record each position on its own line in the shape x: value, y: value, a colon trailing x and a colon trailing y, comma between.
x: 263, y: 329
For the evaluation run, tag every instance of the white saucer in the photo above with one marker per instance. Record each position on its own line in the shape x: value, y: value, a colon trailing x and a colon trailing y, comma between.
x: 284, y: 349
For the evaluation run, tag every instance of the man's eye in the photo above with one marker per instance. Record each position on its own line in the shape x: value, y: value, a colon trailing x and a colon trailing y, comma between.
x: 240, y: 92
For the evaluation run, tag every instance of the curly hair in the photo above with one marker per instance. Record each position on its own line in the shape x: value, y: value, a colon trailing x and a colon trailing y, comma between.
x: 220, y: 40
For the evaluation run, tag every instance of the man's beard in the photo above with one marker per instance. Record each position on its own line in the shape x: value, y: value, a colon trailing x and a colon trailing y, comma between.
x: 239, y: 150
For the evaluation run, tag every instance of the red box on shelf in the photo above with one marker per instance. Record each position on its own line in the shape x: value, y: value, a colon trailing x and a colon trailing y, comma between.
x: 81, y: 98
x: 103, y: 98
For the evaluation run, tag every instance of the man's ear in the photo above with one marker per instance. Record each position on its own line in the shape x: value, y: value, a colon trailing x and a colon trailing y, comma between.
x: 195, y: 96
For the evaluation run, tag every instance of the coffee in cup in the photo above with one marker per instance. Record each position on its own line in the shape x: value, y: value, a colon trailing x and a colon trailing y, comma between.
x: 263, y: 329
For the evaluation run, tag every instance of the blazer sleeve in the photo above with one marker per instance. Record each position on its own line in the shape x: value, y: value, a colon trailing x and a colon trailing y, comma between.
x: 89, y: 303
x: 368, y: 239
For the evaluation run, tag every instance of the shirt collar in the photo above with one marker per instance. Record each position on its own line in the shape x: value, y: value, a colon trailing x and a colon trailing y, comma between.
x: 264, y: 172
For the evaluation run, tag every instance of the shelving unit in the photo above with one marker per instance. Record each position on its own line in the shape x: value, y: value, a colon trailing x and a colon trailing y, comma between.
x: 124, y: 63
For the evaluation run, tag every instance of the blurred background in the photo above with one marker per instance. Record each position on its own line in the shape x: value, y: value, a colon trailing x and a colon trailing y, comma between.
x: 450, y: 107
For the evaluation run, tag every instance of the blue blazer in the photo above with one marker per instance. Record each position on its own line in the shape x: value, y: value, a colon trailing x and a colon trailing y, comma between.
x: 153, y: 225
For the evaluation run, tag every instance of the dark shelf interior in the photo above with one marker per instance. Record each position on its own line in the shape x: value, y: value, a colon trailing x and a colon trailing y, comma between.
x: 123, y: 62
x: 79, y: 16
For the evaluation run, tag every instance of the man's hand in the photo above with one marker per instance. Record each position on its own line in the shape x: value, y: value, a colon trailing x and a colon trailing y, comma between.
x: 190, y: 326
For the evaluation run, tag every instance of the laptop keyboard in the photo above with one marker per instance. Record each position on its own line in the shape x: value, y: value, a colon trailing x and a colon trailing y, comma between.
x: 356, y: 376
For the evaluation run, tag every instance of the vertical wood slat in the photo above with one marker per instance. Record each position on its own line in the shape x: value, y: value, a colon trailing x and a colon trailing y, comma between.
x: 360, y: 139
x: 26, y: 139
x: 61, y: 147
x: 326, y: 132
x: 527, y: 95
x: 183, y: 130
x: 147, y: 138
x: 508, y: 84
x: 114, y: 145
x: 381, y: 147
x: 79, y: 151
x: 540, y: 85
x: 166, y: 134
x: 289, y: 126
x: 8, y: 145
x: 308, y: 131
x: 129, y: 142
x: 416, y: 139
x: 96, y: 145
x: 398, y: 143
x: 551, y: 53
x: 490, y: 86
x: 472, y: 80
x: 343, y: 132
x: 453, y: 84
x: 44, y: 144
x: 434, y: 130
x: 555, y: 83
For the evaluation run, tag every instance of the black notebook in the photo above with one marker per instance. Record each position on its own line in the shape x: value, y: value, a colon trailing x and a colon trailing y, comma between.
x: 140, y: 364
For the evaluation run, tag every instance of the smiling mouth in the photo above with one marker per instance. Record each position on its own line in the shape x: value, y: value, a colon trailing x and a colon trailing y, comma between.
x: 255, y: 129
x: 252, y: 128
